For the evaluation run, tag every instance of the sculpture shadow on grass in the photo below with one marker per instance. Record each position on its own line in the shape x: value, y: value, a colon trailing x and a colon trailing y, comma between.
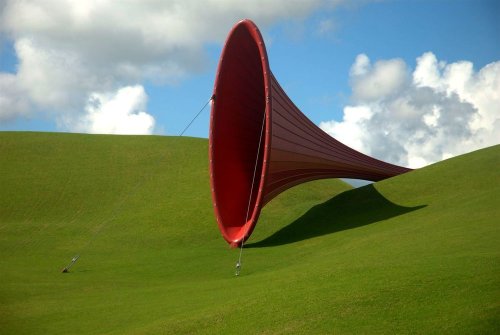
x: 350, y: 209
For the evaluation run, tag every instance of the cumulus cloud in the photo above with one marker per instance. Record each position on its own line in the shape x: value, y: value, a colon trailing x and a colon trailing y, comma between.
x: 418, y: 117
x: 378, y: 81
x: 12, y: 98
x: 121, y: 112
x: 68, y: 50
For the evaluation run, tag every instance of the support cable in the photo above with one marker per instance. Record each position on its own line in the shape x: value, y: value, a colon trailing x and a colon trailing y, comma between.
x: 238, y: 264
x: 196, y: 116
x: 120, y: 204
x: 114, y: 213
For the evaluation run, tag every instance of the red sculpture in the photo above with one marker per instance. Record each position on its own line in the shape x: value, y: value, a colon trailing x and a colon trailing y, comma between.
x: 260, y: 143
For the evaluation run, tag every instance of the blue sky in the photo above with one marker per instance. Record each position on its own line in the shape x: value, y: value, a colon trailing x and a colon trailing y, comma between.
x: 312, y: 47
x: 314, y: 68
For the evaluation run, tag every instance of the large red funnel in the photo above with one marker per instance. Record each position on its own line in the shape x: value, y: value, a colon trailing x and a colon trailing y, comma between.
x: 261, y: 144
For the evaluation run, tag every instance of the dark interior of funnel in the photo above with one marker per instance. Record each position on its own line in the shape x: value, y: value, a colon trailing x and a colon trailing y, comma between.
x: 236, y: 130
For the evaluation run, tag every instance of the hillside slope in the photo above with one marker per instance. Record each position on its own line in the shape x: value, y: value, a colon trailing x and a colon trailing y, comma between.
x: 418, y: 253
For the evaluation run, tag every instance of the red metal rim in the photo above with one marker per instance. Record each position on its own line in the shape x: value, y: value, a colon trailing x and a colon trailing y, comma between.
x: 228, y: 194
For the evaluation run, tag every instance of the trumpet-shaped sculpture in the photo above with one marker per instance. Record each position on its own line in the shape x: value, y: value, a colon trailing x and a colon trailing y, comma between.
x: 260, y: 144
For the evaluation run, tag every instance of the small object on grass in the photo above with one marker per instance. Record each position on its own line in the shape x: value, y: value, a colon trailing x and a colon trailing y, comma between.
x: 238, y: 268
x: 66, y: 269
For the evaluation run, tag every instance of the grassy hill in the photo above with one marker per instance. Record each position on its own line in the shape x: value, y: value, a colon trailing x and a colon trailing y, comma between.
x: 418, y: 253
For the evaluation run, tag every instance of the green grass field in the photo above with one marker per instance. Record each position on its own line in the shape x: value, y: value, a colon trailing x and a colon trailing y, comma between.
x: 415, y: 254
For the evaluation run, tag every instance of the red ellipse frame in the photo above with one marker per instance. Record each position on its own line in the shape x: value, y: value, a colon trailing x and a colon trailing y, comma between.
x: 236, y: 237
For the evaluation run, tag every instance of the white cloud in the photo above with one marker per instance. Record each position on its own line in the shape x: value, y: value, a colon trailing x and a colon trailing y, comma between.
x: 439, y: 111
x: 51, y: 79
x: 361, y: 66
x: 120, y: 112
x: 348, y: 128
x: 377, y: 81
x: 69, y: 49
x: 13, y: 100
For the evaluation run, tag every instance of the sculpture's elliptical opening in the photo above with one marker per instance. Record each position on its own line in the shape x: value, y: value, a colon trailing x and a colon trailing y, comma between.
x: 260, y: 142
x: 235, y: 128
